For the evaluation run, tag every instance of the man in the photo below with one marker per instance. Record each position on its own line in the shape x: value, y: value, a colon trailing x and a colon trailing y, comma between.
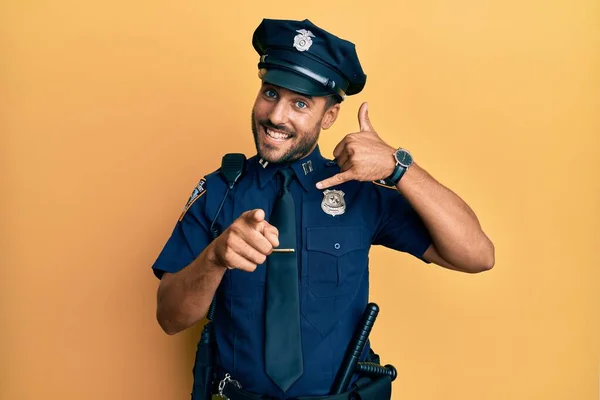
x: 290, y: 265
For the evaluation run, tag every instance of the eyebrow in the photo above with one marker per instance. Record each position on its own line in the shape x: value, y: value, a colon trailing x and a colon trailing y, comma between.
x: 307, y: 96
x: 304, y: 96
x: 276, y: 88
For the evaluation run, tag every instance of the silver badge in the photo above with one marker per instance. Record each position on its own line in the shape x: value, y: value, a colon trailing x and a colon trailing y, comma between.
x: 333, y: 202
x: 303, y: 41
x: 307, y: 167
x: 263, y: 163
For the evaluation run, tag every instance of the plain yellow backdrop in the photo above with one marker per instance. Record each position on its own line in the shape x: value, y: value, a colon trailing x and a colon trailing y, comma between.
x: 112, y: 110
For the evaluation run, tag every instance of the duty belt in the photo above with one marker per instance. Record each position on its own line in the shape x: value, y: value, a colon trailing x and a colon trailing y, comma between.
x: 375, y: 382
x: 363, y: 389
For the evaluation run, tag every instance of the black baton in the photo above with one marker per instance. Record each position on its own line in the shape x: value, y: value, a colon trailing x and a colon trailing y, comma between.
x: 357, y: 345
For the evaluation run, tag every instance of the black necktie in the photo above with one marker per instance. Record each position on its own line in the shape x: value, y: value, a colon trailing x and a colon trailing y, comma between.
x: 283, y: 346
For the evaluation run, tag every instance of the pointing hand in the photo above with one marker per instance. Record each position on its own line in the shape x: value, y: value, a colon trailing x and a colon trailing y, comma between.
x: 247, y: 242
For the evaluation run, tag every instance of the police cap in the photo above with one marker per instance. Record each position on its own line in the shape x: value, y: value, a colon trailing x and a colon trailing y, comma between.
x: 300, y: 56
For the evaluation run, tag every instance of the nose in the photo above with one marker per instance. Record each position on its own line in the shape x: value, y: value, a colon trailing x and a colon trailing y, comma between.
x: 278, y: 114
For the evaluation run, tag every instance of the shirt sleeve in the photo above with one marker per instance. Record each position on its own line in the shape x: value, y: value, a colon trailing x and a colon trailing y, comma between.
x: 189, y: 237
x: 400, y: 226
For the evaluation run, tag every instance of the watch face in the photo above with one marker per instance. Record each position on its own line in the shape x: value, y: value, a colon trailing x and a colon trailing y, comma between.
x: 404, y: 158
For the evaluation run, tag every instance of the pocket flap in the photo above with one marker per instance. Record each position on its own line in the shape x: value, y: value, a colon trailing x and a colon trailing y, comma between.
x: 336, y: 241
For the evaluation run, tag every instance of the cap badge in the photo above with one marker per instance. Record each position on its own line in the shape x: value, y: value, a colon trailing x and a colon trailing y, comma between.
x: 303, y: 41
x: 333, y: 202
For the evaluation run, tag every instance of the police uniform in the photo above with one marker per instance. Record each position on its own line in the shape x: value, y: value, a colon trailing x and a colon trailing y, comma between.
x: 335, y: 227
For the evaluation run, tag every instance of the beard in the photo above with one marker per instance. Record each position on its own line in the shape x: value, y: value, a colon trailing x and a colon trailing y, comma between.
x: 302, y: 148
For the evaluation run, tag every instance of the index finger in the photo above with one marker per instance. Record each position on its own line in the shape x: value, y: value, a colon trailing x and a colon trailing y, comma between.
x: 335, y: 180
x: 254, y: 218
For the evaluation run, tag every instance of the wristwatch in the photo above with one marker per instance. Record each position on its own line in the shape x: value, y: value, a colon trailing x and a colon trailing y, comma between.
x: 403, y: 161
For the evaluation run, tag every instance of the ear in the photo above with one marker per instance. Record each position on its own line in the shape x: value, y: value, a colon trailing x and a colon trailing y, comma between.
x: 330, y: 116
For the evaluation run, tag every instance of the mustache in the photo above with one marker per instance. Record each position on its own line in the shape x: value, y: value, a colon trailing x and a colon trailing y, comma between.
x: 268, y: 124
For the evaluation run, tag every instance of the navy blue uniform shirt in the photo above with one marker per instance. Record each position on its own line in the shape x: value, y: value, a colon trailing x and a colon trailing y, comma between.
x: 333, y: 265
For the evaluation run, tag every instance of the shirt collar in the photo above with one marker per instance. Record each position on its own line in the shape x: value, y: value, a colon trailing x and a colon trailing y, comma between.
x: 304, y: 168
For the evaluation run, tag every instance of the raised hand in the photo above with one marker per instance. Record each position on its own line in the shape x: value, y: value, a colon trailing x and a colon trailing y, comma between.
x: 362, y: 155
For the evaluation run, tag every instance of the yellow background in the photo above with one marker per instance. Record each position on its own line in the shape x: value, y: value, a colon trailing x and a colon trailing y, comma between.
x: 112, y: 110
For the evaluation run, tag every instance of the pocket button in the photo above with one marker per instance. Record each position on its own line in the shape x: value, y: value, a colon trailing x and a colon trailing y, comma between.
x: 336, y: 246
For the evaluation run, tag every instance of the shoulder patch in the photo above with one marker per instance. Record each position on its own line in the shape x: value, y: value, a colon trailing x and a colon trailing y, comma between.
x: 198, y: 191
x: 383, y: 183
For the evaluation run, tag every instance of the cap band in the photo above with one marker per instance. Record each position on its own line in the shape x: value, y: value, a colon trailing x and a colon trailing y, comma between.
x: 330, y: 84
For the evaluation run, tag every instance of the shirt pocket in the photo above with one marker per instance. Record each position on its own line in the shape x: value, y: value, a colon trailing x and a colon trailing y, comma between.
x: 337, y: 260
x: 246, y: 284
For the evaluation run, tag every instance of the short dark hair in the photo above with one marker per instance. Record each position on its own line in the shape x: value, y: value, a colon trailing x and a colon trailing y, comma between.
x: 331, y: 101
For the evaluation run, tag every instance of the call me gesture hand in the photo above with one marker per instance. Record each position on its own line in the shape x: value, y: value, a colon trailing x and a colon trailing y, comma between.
x: 362, y: 155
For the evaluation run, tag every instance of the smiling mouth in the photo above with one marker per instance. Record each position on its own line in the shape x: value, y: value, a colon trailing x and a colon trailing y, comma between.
x: 276, y: 135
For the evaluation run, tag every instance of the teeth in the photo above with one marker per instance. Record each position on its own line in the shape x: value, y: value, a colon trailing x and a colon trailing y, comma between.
x: 277, y: 135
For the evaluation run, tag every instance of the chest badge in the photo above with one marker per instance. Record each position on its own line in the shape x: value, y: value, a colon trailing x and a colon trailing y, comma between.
x: 333, y: 202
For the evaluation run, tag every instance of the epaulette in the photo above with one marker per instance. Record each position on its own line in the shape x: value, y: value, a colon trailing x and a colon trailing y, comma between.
x: 218, y: 186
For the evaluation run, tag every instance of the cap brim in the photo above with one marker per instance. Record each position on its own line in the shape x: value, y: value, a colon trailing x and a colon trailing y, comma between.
x: 294, y: 82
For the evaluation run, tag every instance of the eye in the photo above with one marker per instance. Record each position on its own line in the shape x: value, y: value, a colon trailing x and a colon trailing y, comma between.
x: 270, y: 93
x: 301, y: 104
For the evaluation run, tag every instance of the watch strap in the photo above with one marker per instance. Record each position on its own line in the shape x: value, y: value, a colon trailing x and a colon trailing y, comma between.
x: 399, y: 171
